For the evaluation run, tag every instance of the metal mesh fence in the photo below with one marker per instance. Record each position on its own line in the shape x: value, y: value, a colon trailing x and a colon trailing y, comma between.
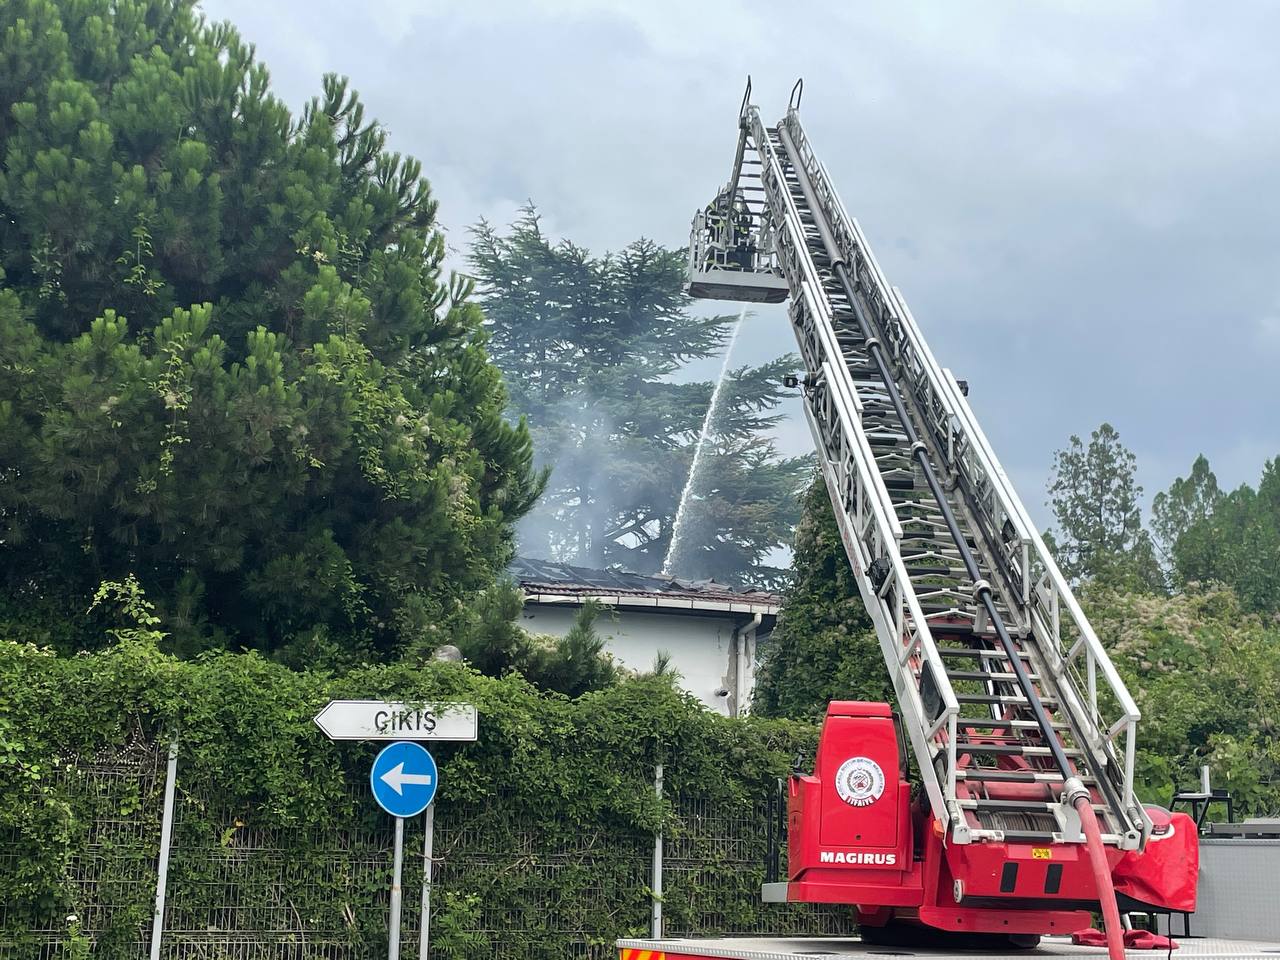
x: 503, y: 886
x: 113, y: 848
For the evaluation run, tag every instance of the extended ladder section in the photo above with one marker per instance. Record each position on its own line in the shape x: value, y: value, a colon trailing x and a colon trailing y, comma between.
x: 1004, y: 689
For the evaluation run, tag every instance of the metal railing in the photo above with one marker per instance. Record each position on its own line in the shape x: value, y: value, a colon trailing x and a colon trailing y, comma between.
x: 730, y: 242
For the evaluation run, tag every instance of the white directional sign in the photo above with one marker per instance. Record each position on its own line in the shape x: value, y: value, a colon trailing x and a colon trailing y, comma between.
x: 380, y: 720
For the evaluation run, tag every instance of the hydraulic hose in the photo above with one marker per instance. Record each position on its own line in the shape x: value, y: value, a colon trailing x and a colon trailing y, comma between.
x: 1073, y: 791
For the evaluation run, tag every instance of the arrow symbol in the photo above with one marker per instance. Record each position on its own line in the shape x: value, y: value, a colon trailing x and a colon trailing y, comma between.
x: 396, y: 778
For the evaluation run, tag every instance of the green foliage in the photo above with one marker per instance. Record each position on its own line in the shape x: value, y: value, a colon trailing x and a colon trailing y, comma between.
x: 576, y: 662
x: 487, y: 630
x: 230, y: 364
x: 824, y: 647
x: 1206, y: 675
x: 578, y: 772
x: 589, y: 346
x: 134, y: 607
x: 488, y: 634
x: 1231, y: 538
x: 1188, y: 502
x: 1097, y: 505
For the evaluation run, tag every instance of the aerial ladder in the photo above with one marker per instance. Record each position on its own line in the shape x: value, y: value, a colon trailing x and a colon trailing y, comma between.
x: 1024, y: 815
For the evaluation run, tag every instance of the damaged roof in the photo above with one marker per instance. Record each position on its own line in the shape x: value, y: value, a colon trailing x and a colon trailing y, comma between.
x: 544, y: 581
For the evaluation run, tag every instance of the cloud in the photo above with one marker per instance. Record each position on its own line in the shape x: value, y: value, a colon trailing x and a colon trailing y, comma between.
x: 1078, y: 199
x: 1269, y: 327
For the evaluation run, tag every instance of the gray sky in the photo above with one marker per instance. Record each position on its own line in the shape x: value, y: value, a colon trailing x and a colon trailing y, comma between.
x: 1080, y: 201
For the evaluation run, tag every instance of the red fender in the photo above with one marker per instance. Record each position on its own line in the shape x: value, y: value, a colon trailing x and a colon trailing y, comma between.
x: 1164, y: 873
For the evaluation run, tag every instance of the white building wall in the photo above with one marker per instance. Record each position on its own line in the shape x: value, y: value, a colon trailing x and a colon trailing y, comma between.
x: 702, y: 648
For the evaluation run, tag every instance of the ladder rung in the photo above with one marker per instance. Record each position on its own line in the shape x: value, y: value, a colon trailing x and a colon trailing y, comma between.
x: 940, y: 551
x: 1003, y: 677
x: 965, y: 722
x: 1014, y: 836
x: 915, y: 571
x: 939, y: 610
x: 987, y: 775
x: 1037, y: 806
x: 1010, y: 700
x: 882, y: 442
x: 1032, y: 836
x: 1011, y: 749
x: 976, y: 653
x: 1030, y: 806
x: 860, y: 371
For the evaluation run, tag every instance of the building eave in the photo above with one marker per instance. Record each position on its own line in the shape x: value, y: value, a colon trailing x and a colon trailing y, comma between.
x: 653, y: 602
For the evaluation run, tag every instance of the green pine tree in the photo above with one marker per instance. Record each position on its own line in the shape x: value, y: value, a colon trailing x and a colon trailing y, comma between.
x: 1097, y: 503
x: 589, y: 346
x: 230, y: 363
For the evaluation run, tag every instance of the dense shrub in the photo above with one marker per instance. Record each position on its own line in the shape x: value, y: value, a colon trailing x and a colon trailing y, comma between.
x: 231, y: 363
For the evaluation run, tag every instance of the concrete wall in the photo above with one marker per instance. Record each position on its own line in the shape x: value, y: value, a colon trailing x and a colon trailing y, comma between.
x: 704, y: 649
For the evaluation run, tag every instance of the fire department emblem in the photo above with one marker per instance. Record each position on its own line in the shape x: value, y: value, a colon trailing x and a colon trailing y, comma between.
x: 859, y: 781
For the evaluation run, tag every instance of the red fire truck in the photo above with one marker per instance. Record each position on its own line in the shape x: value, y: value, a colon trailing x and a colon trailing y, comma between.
x: 996, y: 800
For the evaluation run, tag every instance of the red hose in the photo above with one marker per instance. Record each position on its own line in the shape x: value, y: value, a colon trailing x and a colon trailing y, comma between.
x: 1102, y: 877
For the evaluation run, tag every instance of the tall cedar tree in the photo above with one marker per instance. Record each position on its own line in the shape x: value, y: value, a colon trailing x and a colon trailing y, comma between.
x: 1097, y: 503
x: 229, y: 361
x: 588, y: 346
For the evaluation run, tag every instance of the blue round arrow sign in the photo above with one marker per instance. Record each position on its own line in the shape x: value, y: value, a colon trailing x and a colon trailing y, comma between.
x: 404, y: 779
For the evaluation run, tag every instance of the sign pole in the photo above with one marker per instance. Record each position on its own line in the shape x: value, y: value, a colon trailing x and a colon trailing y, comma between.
x: 404, y: 778
x: 427, y: 843
x: 393, y: 944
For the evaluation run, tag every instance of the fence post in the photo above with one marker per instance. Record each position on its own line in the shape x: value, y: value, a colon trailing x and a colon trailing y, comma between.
x: 656, y: 887
x: 429, y: 829
x: 166, y: 837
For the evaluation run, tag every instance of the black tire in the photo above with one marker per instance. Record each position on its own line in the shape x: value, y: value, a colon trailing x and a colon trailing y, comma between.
x: 879, y: 936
